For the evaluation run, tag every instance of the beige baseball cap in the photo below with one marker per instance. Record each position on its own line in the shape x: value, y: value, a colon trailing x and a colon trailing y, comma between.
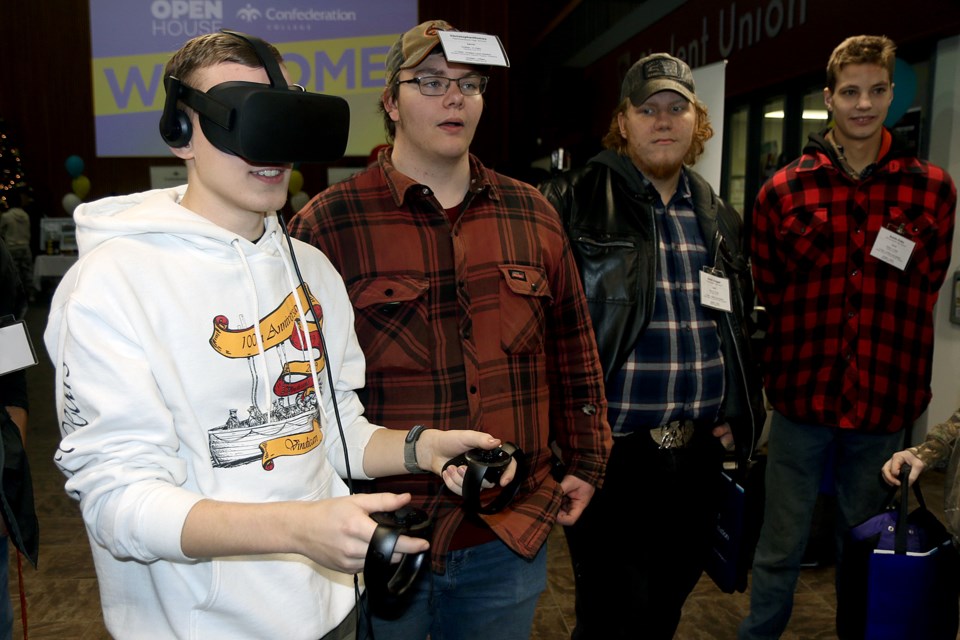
x: 414, y: 46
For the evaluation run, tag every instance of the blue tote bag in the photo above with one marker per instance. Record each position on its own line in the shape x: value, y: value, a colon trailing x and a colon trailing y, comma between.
x: 899, y: 575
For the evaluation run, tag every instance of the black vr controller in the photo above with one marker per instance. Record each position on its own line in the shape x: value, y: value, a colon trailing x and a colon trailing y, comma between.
x: 386, y: 582
x: 488, y: 465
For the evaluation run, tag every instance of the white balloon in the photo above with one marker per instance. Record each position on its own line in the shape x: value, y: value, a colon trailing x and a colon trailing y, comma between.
x: 70, y: 202
x: 299, y: 200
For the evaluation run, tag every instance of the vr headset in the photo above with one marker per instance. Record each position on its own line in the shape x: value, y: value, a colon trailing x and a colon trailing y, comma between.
x: 271, y: 124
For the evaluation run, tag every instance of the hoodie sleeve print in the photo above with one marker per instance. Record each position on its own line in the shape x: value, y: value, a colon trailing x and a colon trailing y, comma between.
x: 119, y: 446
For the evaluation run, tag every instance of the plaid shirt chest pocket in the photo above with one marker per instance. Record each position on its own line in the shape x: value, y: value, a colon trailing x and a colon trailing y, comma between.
x: 392, y: 322
x: 808, y: 239
x: 918, y: 226
x: 524, y: 298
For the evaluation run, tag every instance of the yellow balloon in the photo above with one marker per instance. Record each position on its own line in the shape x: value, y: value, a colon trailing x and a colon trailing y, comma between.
x: 296, y: 181
x: 81, y: 186
x: 299, y: 200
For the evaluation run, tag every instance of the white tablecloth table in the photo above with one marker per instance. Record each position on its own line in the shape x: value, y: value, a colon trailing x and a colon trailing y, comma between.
x: 55, y: 266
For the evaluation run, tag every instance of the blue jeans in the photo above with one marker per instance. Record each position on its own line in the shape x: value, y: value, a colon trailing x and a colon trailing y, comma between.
x: 6, y: 606
x: 487, y: 592
x: 795, y: 464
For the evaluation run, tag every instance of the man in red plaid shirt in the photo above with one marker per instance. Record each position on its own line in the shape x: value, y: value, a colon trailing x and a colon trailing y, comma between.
x: 471, y: 314
x: 851, y: 243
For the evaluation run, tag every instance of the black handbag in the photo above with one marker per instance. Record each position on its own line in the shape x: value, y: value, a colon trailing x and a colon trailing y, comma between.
x: 898, y: 577
x: 16, y: 494
x: 737, y: 527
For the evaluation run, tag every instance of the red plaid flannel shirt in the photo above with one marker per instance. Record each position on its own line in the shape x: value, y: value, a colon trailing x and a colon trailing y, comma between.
x: 850, y: 341
x: 480, y: 324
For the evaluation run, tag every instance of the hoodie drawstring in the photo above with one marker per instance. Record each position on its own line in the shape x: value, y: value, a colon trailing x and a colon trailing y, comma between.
x: 306, y: 350
x: 262, y: 361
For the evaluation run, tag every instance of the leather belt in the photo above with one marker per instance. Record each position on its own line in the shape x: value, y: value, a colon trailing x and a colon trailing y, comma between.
x: 674, y: 435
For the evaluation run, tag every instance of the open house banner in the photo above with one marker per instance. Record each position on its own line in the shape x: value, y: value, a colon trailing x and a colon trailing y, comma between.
x: 329, y: 46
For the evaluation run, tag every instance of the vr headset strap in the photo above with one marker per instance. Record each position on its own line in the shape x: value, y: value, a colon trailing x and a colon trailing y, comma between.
x: 216, y: 112
x: 269, y: 62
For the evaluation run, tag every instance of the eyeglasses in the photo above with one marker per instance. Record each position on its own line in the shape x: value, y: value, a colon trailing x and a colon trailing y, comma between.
x: 438, y: 85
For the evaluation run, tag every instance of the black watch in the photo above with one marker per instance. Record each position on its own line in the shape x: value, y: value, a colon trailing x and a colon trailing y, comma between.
x: 410, y: 449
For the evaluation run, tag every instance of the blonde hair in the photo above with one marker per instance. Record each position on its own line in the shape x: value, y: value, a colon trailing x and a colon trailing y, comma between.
x: 878, y: 50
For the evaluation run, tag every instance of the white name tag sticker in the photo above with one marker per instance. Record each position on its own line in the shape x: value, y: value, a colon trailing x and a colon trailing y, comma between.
x: 715, y: 291
x: 473, y: 48
x: 16, y: 350
x: 893, y: 248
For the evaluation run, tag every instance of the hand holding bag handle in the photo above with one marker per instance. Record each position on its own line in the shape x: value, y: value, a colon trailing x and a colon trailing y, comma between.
x: 900, y: 541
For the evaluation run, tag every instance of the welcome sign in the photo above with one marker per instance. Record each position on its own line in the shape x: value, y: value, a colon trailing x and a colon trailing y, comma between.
x: 331, y: 47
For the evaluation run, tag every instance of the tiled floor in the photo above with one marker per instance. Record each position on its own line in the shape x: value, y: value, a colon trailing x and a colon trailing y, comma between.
x: 63, y: 600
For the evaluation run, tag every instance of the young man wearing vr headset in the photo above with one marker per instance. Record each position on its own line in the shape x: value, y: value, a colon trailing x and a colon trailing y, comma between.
x: 200, y: 434
x: 470, y: 312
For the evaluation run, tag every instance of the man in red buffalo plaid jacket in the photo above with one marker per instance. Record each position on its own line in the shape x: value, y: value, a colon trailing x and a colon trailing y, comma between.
x: 851, y: 243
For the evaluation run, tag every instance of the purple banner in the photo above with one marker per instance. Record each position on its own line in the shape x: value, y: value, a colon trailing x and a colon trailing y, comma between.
x: 336, y: 47
x: 122, y: 27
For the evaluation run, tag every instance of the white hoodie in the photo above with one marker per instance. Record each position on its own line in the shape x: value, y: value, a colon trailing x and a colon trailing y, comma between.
x: 182, y: 375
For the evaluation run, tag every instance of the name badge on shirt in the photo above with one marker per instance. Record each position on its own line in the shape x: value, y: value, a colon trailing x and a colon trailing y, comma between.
x: 16, y: 350
x: 715, y: 290
x: 893, y: 248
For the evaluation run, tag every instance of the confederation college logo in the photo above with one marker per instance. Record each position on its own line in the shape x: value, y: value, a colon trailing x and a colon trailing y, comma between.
x: 292, y: 19
x: 249, y: 13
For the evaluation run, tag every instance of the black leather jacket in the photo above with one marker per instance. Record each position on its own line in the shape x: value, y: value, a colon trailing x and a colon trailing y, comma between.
x: 608, y: 215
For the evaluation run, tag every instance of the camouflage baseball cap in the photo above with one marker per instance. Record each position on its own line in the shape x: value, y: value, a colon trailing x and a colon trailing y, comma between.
x: 414, y: 46
x: 656, y: 73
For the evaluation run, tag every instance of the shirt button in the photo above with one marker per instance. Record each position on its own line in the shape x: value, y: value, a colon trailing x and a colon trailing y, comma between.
x: 473, y: 389
x: 850, y: 314
x: 855, y: 272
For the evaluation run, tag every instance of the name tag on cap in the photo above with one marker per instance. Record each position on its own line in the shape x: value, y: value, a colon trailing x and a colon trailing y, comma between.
x: 715, y: 291
x: 893, y: 248
x: 473, y: 48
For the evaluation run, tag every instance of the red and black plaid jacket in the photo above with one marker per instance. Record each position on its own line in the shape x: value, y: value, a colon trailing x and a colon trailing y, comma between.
x: 850, y: 340
x: 481, y: 324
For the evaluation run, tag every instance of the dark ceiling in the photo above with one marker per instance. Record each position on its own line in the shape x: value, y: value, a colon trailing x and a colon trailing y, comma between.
x: 582, y: 31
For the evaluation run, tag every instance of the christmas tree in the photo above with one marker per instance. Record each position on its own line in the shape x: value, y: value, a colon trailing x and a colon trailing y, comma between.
x: 12, y: 179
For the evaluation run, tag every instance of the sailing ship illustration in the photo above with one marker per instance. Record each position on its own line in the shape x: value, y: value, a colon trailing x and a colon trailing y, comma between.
x: 291, y: 421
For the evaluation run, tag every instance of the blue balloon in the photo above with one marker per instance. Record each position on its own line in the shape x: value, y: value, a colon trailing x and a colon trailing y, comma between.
x: 904, y: 91
x: 74, y: 166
